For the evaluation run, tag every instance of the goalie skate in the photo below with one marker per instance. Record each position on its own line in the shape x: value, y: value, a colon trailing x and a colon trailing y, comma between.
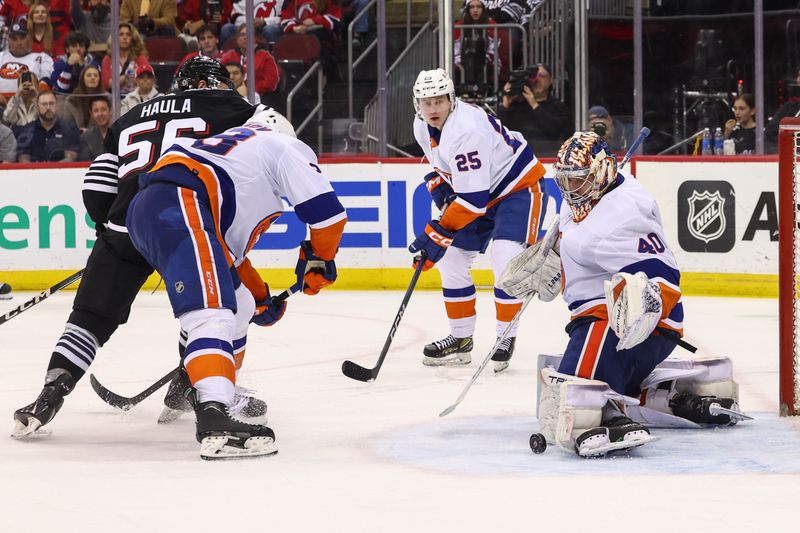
x: 707, y: 409
x: 618, y: 434
x: 223, y: 437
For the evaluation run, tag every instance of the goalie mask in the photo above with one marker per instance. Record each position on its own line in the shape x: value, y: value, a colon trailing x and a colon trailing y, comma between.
x: 199, y: 69
x: 433, y: 83
x: 585, y: 169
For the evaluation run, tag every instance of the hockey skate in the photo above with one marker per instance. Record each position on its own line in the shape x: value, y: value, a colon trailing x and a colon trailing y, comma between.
x: 5, y: 291
x: 176, y: 402
x: 707, y: 409
x: 618, y: 434
x: 448, y: 351
x: 503, y: 354
x: 28, y: 419
x: 223, y: 437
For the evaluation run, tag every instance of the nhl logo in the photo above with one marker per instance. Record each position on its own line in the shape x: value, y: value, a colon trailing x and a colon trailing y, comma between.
x: 179, y: 287
x: 706, y: 218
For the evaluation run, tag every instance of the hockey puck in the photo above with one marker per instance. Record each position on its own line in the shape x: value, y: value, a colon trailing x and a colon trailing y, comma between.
x: 538, y: 443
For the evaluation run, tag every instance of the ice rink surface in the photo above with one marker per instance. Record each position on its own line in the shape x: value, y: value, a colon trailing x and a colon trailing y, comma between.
x: 375, y: 456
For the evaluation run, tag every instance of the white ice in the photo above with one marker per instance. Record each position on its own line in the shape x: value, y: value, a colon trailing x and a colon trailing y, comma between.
x: 375, y: 456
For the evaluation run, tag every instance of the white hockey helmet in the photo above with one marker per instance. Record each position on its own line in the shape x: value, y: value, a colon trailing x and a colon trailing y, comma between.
x: 433, y: 83
x: 276, y: 121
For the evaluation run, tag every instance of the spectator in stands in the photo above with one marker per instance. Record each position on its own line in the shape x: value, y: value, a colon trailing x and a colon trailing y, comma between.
x: 530, y: 108
x: 267, y: 74
x: 319, y: 18
x: 48, y: 138
x: 742, y: 128
x: 8, y: 146
x: 78, y: 107
x: 193, y: 15
x: 12, y: 11
x: 615, y: 133
x: 236, y: 73
x: 151, y: 17
x: 19, y: 58
x: 21, y: 108
x: 477, y: 47
x: 132, y: 54
x: 361, y: 27
x: 67, y: 68
x: 43, y: 37
x: 791, y: 108
x: 267, y: 21
x: 93, y: 138
x: 209, y: 45
x: 95, y: 23
x: 145, y: 90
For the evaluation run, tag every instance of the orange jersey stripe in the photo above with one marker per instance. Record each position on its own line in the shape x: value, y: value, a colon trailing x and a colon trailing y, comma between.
x: 238, y: 359
x: 210, y: 182
x: 599, y: 311
x: 529, y: 180
x: 460, y: 309
x: 252, y: 280
x: 261, y: 228
x: 591, y: 351
x: 456, y: 216
x: 208, y: 273
x: 325, y: 241
x: 506, y: 312
x: 210, y: 365
x: 669, y: 299
x: 535, y: 221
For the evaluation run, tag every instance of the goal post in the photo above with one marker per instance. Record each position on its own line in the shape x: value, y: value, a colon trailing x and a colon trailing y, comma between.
x: 789, y: 265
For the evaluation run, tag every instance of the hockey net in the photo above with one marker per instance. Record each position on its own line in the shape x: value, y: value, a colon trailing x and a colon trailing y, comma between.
x: 789, y: 265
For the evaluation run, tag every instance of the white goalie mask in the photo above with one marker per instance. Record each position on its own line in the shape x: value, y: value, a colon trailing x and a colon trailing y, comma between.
x: 275, y: 121
x: 584, y: 170
x: 433, y: 83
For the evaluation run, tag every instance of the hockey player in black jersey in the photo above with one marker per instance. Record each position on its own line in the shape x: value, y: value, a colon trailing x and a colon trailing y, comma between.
x: 202, y: 103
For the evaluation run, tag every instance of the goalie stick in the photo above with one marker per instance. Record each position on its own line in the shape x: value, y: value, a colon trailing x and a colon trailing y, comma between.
x: 477, y: 373
x: 41, y: 296
x: 358, y: 372
x: 124, y: 403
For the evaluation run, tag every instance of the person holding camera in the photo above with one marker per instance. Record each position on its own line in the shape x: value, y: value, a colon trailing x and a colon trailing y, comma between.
x: 21, y: 108
x: 195, y: 15
x: 48, y: 138
x: 151, y: 17
x: 529, y: 107
x: 18, y: 59
x: 616, y: 134
x: 475, y: 50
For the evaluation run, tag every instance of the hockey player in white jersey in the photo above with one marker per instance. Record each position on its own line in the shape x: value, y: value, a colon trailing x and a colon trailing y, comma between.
x: 487, y: 182
x: 195, y: 218
x: 622, y: 285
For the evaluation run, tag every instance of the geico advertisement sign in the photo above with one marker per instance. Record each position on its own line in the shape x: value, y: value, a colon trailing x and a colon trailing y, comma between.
x: 718, y: 217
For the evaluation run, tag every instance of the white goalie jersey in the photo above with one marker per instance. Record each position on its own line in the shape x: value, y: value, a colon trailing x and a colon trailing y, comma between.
x: 622, y: 233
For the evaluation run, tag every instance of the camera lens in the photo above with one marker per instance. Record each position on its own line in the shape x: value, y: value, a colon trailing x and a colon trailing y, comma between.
x: 599, y: 128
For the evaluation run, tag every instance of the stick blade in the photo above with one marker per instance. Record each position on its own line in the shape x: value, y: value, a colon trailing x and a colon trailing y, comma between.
x: 357, y: 372
x: 111, y: 398
x: 448, y: 410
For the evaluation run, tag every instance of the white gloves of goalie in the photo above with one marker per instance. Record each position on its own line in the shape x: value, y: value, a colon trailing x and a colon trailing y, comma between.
x: 634, y: 307
x: 537, y: 270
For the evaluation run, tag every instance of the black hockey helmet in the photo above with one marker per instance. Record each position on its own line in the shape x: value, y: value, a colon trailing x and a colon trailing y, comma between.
x: 201, y: 68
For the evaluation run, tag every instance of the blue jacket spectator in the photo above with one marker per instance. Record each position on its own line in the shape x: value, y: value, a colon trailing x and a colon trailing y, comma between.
x: 48, y: 138
x: 67, y: 68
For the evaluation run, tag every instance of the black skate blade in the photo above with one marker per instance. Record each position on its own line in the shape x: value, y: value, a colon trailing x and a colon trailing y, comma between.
x: 716, y: 410
x: 357, y: 372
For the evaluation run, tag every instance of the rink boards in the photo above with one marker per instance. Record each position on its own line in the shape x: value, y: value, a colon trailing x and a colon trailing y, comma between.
x: 719, y: 213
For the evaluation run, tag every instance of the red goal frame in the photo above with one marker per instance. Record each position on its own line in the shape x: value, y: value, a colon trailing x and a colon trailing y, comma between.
x: 788, y: 142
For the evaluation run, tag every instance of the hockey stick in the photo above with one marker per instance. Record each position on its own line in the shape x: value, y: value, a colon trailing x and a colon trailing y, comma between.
x: 41, y: 296
x: 121, y: 402
x: 643, y: 133
x: 358, y: 372
x: 477, y: 373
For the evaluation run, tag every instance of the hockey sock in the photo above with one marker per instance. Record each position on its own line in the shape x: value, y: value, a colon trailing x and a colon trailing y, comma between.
x: 74, y: 351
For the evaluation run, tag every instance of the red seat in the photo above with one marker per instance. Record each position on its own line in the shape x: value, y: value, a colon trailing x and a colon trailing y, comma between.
x: 294, y: 46
x: 165, y: 48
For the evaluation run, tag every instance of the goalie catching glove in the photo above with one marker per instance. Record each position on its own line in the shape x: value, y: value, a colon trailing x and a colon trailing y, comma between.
x: 313, y: 272
x: 537, y: 270
x: 269, y: 310
x: 634, y: 307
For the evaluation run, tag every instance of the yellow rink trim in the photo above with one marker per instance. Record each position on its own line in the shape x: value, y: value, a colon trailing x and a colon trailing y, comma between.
x: 692, y: 283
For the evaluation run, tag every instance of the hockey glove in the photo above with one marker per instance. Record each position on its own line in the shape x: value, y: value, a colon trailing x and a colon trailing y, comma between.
x: 441, y: 192
x: 313, y: 273
x: 634, y: 307
x: 269, y: 310
x: 434, y: 241
x: 536, y: 270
